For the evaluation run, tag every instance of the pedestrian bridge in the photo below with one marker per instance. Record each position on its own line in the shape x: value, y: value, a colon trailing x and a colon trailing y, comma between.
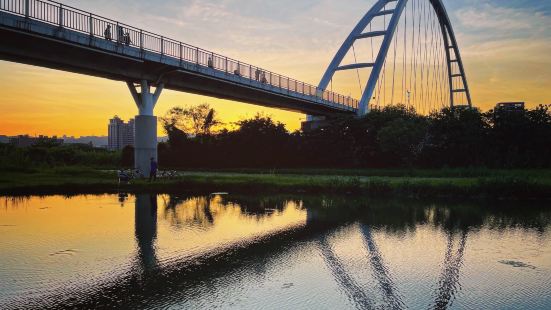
x: 415, y: 61
x: 53, y: 35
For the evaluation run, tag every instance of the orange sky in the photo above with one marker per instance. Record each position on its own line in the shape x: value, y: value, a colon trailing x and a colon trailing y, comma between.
x: 44, y: 101
x: 503, y: 62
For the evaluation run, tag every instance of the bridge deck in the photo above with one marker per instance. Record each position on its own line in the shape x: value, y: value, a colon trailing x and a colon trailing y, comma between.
x: 49, y: 34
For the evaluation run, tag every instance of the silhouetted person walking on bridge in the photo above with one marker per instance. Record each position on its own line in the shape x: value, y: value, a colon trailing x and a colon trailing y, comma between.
x: 263, y: 79
x: 120, y: 34
x: 127, y: 40
x: 153, y: 170
x: 107, y: 33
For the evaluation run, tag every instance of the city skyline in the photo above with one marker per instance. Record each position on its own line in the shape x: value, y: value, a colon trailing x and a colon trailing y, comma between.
x: 504, y: 46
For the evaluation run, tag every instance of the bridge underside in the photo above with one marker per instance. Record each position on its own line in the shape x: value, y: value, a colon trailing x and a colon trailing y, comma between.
x: 55, y: 53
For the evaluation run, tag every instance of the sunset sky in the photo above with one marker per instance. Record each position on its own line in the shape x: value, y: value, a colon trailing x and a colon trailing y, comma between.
x: 505, y: 45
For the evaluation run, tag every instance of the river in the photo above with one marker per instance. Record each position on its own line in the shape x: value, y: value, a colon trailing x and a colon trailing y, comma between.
x: 223, y: 251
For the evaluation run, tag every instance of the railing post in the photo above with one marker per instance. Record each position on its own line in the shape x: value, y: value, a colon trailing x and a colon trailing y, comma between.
x: 288, y: 86
x: 250, y: 72
x: 162, y: 46
x: 141, y: 40
x: 181, y: 52
x: 91, y: 25
x: 226, y: 67
x: 27, y: 9
x: 197, y: 55
x: 61, y: 15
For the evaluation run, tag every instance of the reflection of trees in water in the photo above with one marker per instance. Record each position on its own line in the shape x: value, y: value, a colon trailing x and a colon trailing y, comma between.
x: 400, y: 217
x: 263, y: 206
x: 201, y: 211
x: 16, y: 201
x: 181, y: 212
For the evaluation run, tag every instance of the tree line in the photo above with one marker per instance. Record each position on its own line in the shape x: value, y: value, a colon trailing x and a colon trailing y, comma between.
x: 390, y: 137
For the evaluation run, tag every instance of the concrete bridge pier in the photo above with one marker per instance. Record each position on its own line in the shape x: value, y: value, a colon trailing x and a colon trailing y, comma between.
x: 145, y: 125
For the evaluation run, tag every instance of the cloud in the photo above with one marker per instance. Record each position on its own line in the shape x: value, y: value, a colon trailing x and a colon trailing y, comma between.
x: 503, y: 21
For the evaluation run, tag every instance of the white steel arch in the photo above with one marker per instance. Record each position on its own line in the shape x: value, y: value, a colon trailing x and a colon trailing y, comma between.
x: 379, y: 9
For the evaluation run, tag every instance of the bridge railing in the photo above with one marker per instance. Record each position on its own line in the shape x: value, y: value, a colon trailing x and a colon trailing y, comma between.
x: 64, y: 16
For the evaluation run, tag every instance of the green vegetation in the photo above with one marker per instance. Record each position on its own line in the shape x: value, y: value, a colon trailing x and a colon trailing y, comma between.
x: 391, y: 152
x: 541, y: 174
x: 428, y: 184
x: 44, y: 156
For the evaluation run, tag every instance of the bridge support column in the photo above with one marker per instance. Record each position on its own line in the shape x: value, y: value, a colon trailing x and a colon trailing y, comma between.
x: 145, y: 125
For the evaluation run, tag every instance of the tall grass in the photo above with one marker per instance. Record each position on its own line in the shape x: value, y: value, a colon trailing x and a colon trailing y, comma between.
x: 32, y: 159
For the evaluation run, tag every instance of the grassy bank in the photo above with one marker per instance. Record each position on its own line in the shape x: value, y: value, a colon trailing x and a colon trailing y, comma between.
x: 540, y: 174
x: 456, y: 184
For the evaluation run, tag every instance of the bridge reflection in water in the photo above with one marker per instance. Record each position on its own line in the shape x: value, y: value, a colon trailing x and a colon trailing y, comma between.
x: 146, y: 229
x: 360, y: 295
x: 284, y: 251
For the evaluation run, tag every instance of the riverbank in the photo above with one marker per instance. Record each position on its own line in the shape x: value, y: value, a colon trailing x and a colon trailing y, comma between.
x: 455, y: 184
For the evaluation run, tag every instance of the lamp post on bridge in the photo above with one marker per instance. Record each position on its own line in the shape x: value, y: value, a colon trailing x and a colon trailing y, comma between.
x: 145, y: 125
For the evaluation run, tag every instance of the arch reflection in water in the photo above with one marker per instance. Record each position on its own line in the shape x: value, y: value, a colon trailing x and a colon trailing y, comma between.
x: 251, y: 252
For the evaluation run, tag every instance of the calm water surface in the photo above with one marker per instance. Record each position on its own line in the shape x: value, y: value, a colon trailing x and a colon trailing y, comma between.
x: 271, y: 252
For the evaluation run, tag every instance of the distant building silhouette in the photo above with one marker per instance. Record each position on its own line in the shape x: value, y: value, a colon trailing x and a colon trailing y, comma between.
x: 26, y: 140
x: 95, y: 141
x: 508, y: 108
x: 121, y: 134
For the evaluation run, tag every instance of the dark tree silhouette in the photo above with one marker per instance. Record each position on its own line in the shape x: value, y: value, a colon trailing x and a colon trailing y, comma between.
x: 394, y: 136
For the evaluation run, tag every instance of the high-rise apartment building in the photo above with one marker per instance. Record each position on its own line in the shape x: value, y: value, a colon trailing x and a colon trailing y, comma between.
x: 120, y: 133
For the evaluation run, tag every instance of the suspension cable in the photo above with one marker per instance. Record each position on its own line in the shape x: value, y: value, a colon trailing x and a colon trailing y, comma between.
x: 404, y: 69
x: 394, y: 67
x: 357, y: 70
